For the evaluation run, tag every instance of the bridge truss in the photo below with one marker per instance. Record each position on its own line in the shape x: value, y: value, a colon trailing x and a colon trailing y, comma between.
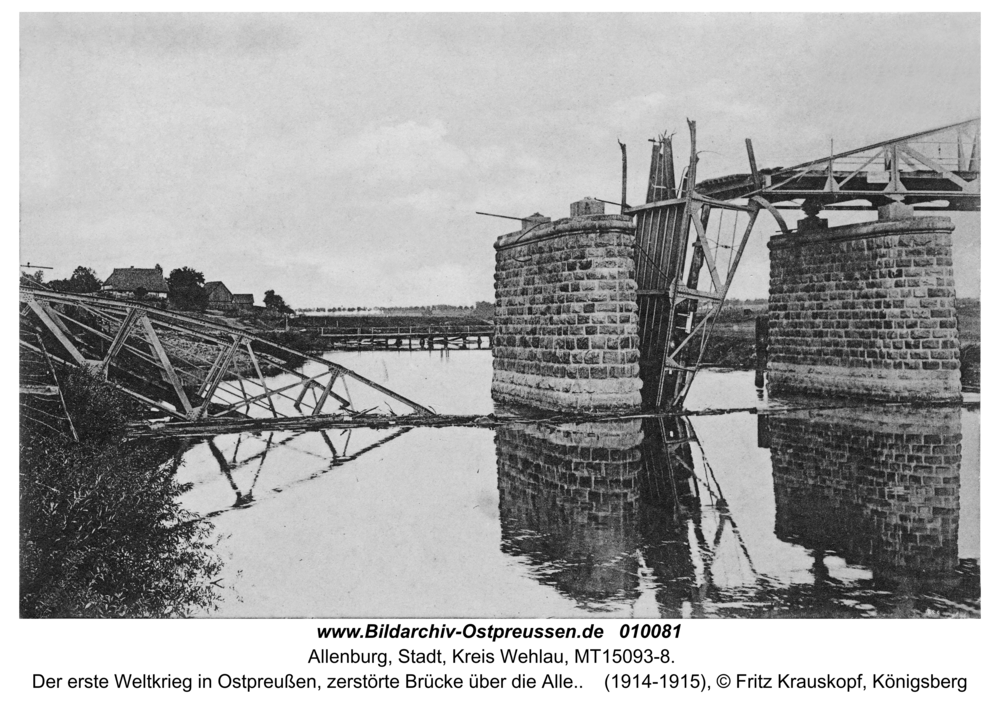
x: 682, y: 282
x: 41, y: 399
x: 190, y: 368
x: 935, y: 169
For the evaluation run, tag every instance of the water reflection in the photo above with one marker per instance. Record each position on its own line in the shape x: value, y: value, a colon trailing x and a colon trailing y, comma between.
x: 569, y: 501
x: 248, y: 467
x: 875, y: 487
x: 866, y: 510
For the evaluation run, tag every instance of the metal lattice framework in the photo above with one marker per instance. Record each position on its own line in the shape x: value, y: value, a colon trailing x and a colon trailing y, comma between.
x: 673, y: 249
x: 935, y: 169
x: 190, y: 368
x: 41, y: 398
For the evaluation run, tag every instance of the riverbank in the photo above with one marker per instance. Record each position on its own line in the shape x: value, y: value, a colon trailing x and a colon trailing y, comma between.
x: 102, y: 533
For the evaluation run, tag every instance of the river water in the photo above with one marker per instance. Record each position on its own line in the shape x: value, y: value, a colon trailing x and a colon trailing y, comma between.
x: 850, y: 512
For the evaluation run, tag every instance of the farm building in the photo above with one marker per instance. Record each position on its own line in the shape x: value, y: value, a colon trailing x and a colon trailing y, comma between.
x: 136, y: 282
x: 219, y: 296
x: 243, y: 301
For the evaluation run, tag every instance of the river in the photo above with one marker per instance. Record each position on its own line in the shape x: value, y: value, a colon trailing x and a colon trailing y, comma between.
x: 852, y: 512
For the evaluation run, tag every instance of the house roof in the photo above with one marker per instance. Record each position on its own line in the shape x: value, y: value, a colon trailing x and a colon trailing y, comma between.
x: 129, y: 279
x: 217, y: 290
x: 243, y: 298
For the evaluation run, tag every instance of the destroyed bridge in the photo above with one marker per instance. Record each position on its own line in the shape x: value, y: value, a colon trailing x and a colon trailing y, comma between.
x: 600, y: 313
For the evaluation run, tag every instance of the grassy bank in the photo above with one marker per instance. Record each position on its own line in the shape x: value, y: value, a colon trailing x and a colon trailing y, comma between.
x: 102, y: 533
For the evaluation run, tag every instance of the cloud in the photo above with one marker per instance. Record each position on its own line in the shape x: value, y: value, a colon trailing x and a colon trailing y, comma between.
x: 393, y: 153
x: 425, y: 284
x: 357, y: 280
x: 434, y: 201
x: 488, y: 157
x: 165, y: 33
x: 264, y: 151
x: 645, y: 103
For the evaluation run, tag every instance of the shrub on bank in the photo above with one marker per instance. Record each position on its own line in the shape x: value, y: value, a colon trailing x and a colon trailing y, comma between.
x: 102, y: 533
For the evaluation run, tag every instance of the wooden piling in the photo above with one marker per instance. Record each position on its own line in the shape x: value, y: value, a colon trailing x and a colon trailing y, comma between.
x: 760, y: 341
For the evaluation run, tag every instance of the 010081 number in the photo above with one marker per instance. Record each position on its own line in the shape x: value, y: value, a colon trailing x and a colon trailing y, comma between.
x: 650, y: 630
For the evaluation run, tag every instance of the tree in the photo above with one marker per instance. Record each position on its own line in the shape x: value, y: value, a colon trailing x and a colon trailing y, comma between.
x: 83, y: 281
x: 275, y: 303
x: 35, y: 277
x: 187, y: 289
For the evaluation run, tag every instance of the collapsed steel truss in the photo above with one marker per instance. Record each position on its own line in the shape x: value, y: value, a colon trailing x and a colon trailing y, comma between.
x: 676, y: 313
x: 41, y: 398
x: 191, y: 368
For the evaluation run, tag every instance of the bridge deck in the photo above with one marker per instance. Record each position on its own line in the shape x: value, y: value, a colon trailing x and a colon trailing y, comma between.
x: 412, y: 332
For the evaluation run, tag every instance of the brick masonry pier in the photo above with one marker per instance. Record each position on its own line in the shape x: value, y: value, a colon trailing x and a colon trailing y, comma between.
x: 865, y: 310
x: 565, y: 325
x: 876, y: 487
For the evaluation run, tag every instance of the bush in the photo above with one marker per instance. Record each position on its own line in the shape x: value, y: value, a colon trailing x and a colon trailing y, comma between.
x: 102, y: 533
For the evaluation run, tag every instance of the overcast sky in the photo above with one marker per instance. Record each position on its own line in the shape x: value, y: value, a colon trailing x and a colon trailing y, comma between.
x: 340, y: 159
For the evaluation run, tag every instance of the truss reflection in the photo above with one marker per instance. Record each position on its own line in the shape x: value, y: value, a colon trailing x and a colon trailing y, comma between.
x: 248, y: 468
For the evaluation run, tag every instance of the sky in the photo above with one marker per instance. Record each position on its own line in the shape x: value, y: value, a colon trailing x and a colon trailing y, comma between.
x: 340, y: 159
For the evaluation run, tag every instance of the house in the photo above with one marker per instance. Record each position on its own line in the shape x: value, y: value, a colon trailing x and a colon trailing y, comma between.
x: 219, y: 296
x: 135, y: 282
x: 243, y: 301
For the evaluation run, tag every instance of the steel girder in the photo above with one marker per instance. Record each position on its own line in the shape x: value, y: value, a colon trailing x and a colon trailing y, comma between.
x: 935, y: 169
x: 191, y: 368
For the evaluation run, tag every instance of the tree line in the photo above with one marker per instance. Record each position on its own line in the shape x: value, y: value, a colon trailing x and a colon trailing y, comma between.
x: 185, y: 288
x: 480, y: 308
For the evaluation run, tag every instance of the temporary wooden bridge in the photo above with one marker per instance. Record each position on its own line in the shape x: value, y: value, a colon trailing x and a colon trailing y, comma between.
x: 419, y: 337
x: 190, y: 368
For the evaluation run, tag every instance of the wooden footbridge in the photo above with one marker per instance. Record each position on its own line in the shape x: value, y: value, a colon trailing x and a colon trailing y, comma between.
x: 190, y: 368
x: 416, y: 337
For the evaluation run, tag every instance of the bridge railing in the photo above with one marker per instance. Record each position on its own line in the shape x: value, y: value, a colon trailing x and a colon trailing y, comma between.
x: 409, y: 331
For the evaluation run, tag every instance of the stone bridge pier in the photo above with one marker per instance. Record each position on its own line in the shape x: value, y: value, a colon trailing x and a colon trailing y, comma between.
x: 566, y: 324
x: 865, y: 310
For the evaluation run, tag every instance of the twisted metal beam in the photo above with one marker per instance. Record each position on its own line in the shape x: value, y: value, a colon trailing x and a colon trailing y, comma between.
x: 154, y: 356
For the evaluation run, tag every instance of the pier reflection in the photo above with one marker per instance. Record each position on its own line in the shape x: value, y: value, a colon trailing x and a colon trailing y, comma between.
x: 878, y: 488
x: 569, y: 503
x: 866, y: 514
